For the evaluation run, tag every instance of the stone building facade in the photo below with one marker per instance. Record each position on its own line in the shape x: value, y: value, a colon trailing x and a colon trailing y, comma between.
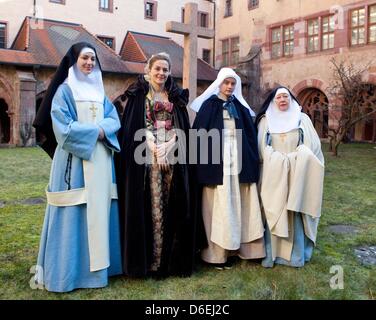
x: 292, y: 43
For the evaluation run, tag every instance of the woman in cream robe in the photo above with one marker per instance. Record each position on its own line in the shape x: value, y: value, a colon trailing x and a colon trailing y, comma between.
x: 230, y: 204
x: 291, y: 183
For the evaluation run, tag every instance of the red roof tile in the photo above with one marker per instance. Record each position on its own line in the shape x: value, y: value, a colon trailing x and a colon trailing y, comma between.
x: 22, y: 39
x: 15, y: 57
x: 131, y: 51
x: 46, y: 42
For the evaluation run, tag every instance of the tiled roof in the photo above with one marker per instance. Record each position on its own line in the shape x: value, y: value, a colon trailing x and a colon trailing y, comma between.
x: 131, y: 51
x: 137, y: 46
x: 45, y: 43
x: 16, y: 57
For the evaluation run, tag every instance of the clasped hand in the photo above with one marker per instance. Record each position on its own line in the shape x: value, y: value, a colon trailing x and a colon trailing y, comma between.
x: 161, y: 152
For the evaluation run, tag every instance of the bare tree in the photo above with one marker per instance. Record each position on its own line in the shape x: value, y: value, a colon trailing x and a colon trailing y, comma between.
x: 347, y: 107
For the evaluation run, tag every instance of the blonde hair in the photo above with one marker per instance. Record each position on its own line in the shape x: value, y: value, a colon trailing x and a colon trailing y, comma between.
x: 155, y: 57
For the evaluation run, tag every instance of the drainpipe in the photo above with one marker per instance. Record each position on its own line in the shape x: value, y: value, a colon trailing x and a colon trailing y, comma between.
x: 214, y: 20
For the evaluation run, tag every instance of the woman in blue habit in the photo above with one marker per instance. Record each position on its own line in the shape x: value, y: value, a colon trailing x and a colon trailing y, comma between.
x: 80, y: 245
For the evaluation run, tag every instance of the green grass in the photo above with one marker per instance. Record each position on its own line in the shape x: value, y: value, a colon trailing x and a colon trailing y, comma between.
x: 349, y: 198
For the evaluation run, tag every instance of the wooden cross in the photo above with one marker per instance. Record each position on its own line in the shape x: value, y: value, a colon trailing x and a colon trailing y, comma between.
x: 93, y: 110
x: 191, y: 32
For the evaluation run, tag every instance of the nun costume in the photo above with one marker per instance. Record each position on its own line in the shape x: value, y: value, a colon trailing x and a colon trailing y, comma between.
x: 229, y: 199
x: 291, y: 183
x: 80, y: 243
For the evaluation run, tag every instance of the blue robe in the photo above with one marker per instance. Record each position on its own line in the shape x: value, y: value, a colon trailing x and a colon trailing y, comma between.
x: 64, y: 253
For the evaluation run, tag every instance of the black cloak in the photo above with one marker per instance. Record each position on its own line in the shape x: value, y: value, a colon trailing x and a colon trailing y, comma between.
x: 42, y: 120
x: 267, y: 101
x: 210, y: 116
x: 134, y: 193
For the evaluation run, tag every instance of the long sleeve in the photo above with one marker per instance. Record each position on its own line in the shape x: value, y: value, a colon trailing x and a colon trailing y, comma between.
x: 110, y: 125
x: 74, y: 137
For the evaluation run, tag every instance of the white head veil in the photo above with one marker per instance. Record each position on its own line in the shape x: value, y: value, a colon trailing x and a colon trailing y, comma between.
x: 283, y: 121
x: 86, y: 87
x: 223, y: 74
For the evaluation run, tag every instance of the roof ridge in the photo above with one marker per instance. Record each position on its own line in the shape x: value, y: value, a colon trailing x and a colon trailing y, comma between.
x: 148, y: 34
x: 56, y: 21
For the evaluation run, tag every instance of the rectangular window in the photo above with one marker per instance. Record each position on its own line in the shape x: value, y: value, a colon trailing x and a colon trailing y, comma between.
x: 58, y: 1
x: 106, y: 5
x: 228, y: 8
x: 253, y: 4
x: 282, y: 41
x: 206, y: 55
x: 358, y: 26
x: 372, y: 24
x: 234, y: 51
x: 230, y: 51
x: 313, y: 35
x: 151, y: 10
x: 3, y: 35
x: 276, y: 43
x: 203, y: 19
x: 182, y: 15
x: 327, y: 28
x: 109, y: 41
x: 225, y: 52
x: 288, y: 40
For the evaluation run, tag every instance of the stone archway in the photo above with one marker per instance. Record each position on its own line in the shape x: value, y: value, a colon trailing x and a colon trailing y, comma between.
x: 7, y: 110
x: 38, y: 101
x: 315, y: 104
x: 366, y: 130
x: 4, y: 123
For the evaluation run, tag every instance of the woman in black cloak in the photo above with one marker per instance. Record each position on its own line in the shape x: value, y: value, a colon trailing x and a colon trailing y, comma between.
x: 157, y: 207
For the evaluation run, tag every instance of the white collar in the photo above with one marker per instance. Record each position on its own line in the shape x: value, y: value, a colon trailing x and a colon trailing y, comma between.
x: 214, y: 89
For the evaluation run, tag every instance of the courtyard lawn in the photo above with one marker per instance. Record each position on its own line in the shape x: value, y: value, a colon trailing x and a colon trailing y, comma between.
x: 349, y: 200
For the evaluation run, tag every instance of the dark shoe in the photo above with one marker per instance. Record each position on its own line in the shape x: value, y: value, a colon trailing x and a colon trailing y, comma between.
x: 228, y: 265
x: 230, y: 262
x: 219, y: 266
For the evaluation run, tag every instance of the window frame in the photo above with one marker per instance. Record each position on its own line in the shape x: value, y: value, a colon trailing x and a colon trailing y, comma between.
x: 232, y: 62
x: 102, y: 37
x: 208, y: 52
x: 154, y: 12
x: 313, y: 35
x: 288, y: 40
x: 58, y: 1
x: 370, y: 24
x: 322, y: 33
x: 6, y: 23
x: 252, y: 6
x: 230, y: 52
x: 226, y: 52
x: 228, y: 10
x: 275, y: 42
x: 110, y: 6
x: 351, y: 28
x: 199, y: 19
x: 282, y: 41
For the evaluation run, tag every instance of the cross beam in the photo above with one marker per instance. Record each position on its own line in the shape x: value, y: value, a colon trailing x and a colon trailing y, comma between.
x: 191, y: 32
